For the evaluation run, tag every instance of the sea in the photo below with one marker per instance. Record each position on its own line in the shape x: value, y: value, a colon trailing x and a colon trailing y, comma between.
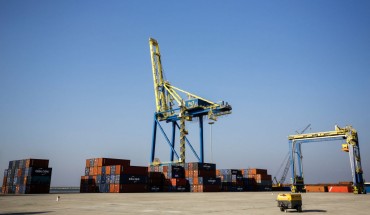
x: 64, y: 189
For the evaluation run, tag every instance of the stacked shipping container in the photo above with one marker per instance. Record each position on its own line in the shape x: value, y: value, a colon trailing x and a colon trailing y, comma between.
x: 202, y: 177
x: 231, y: 179
x: 27, y: 176
x: 116, y: 176
x: 167, y: 178
x: 257, y: 180
x: 107, y: 175
x: 234, y: 180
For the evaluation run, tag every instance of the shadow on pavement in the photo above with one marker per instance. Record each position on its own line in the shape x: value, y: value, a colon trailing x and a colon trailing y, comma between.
x: 25, y: 213
x: 308, y: 211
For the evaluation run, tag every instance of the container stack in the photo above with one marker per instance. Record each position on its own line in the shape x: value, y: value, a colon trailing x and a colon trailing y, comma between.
x: 202, y: 177
x: 257, y: 180
x: 231, y: 180
x: 28, y: 176
x: 107, y: 175
x: 156, y: 179
x: 167, y: 178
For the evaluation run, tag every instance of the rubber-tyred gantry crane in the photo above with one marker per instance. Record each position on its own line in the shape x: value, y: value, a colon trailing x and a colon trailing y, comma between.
x: 352, y: 146
x: 174, y: 104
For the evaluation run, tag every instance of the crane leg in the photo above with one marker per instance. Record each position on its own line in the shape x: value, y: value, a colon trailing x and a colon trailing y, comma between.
x: 153, y: 139
x: 173, y: 139
x: 183, y: 133
x: 201, y: 139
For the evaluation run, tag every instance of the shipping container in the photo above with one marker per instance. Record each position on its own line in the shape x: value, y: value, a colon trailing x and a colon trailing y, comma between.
x: 27, y: 176
x: 316, y: 188
x: 340, y: 189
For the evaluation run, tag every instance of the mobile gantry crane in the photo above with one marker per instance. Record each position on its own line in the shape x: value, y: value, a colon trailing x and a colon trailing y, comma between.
x: 287, y: 164
x: 352, y: 146
x: 171, y: 107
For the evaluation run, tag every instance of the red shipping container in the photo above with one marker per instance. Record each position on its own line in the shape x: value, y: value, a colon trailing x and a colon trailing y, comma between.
x: 112, y: 161
x: 41, y: 163
x: 155, y: 175
x: 340, y: 189
x: 178, y: 182
x: 134, y: 170
x: 132, y: 188
x: 4, y: 181
x: 257, y: 171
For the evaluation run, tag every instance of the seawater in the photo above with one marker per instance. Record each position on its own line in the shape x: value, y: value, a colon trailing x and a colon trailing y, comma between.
x: 64, y: 190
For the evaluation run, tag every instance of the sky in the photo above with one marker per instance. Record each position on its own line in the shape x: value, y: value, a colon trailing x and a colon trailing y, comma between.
x: 76, y: 80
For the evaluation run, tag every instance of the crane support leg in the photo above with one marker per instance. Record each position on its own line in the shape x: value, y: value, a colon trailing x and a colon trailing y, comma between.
x: 173, y: 139
x: 201, y: 139
x: 154, y: 137
x: 183, y: 133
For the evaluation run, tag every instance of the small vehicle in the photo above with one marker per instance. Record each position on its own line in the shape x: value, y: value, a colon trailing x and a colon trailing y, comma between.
x: 289, y: 201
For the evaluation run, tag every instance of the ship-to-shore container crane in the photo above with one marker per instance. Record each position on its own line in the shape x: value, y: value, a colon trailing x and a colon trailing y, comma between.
x: 172, y: 106
x: 352, y: 146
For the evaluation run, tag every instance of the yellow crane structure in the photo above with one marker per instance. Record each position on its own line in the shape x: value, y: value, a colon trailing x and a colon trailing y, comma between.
x: 174, y: 104
x: 351, y: 146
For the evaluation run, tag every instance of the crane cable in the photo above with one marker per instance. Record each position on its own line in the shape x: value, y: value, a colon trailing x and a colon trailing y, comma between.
x: 283, y: 163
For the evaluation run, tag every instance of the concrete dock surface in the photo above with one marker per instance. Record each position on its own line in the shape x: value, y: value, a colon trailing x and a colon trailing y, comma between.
x: 179, y: 203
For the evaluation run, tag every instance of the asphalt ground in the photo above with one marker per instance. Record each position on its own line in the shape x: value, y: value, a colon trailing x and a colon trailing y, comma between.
x: 179, y: 203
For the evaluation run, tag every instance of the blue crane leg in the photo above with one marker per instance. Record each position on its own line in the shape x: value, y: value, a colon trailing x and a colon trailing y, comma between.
x: 201, y: 139
x: 291, y: 159
x: 299, y: 155
x: 173, y: 139
x: 154, y: 139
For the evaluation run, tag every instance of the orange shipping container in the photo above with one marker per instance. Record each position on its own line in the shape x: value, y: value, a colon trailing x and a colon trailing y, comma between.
x: 257, y: 171
x: 111, y: 188
x: 95, y: 171
x: 195, y: 180
x: 99, y: 172
x: 316, y: 188
x: 87, y: 162
x: 91, y: 171
x: 107, y: 170
x: 340, y: 189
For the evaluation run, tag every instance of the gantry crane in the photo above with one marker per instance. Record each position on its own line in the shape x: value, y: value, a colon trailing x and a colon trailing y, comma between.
x: 174, y: 104
x: 352, y: 146
x: 287, y: 164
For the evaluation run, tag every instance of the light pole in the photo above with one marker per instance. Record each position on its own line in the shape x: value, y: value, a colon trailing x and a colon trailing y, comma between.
x: 211, y: 123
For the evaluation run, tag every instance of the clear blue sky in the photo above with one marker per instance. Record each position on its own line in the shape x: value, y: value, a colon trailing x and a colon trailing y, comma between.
x: 76, y: 81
